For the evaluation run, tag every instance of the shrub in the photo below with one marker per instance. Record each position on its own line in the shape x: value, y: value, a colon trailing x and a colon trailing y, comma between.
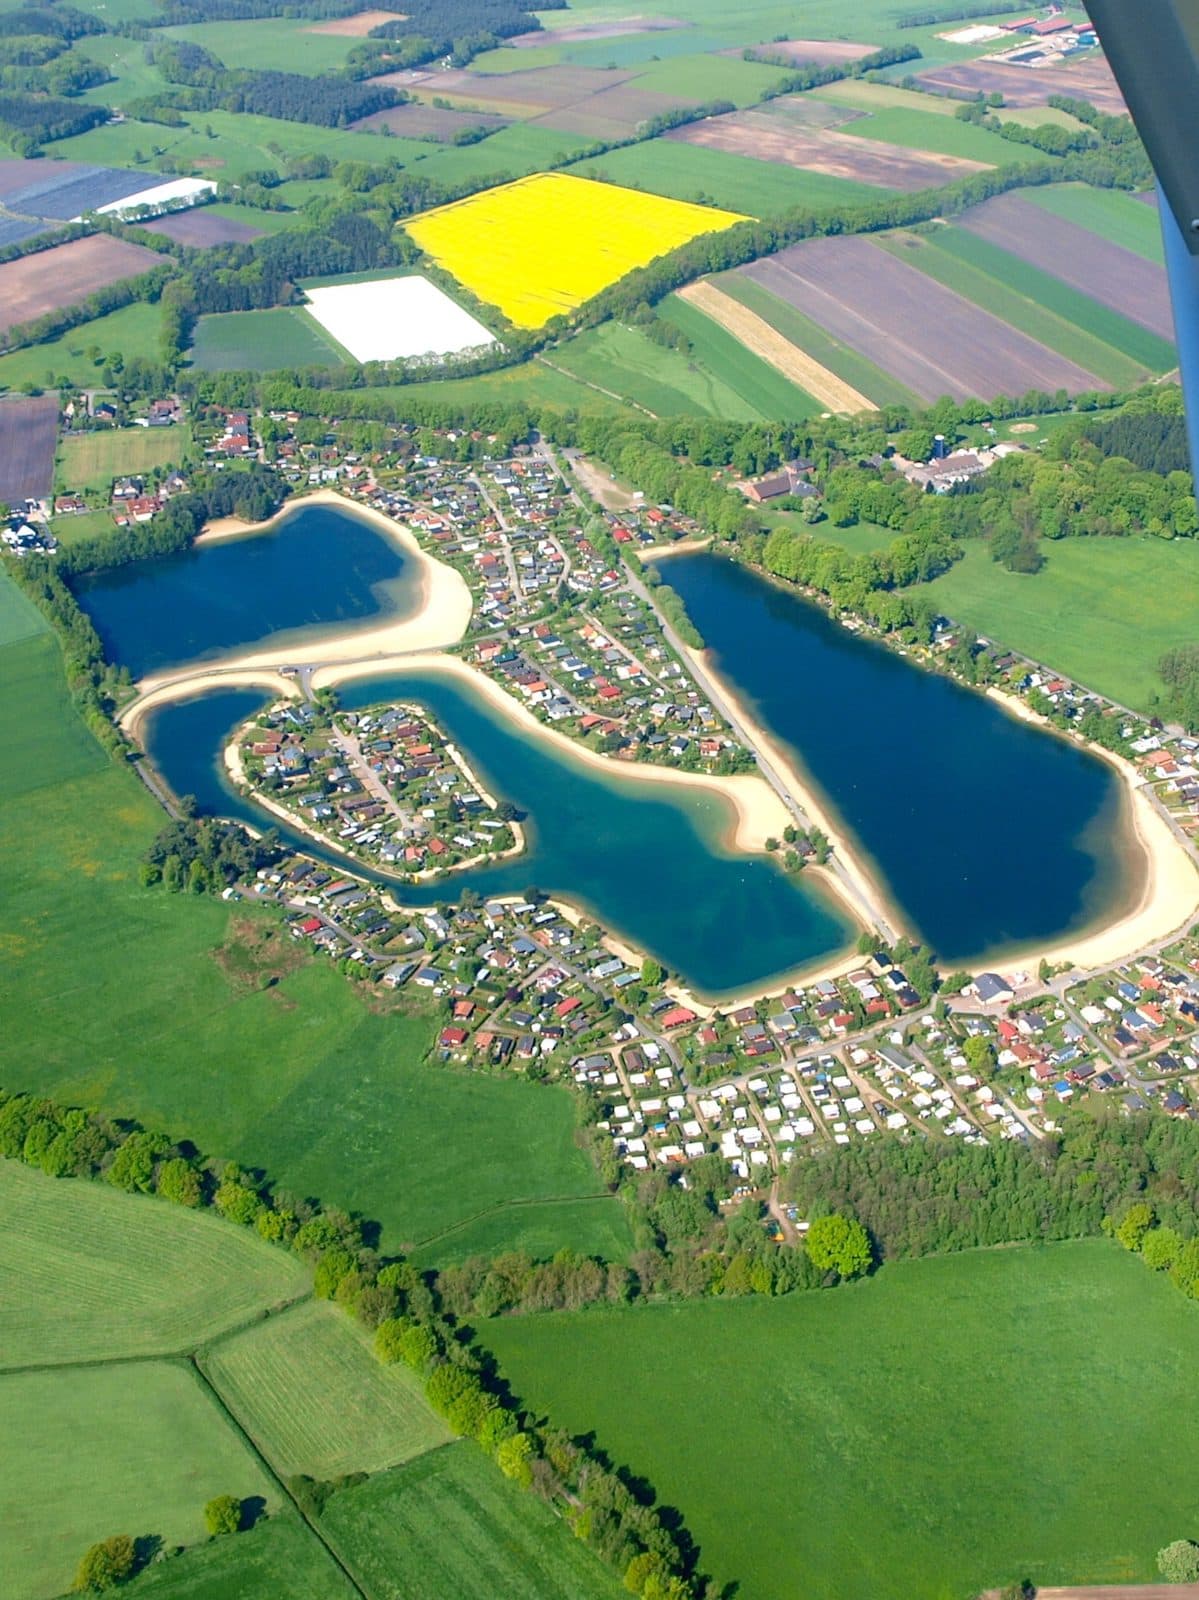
x: 106, y: 1564
x: 1179, y: 1562
x: 223, y: 1515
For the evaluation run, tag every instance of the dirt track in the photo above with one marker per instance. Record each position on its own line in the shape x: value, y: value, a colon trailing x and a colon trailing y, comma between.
x: 1116, y: 277
x: 932, y: 340
x: 766, y: 137
x: 762, y: 340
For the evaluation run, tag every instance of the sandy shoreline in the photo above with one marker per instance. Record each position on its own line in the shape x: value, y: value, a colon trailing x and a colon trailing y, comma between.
x: 1169, y: 898
x: 171, y: 689
x: 679, y: 547
x: 759, y: 814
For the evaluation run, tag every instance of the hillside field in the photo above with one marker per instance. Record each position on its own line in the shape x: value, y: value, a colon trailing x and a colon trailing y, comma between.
x: 106, y: 1274
x: 303, y: 1078
x: 450, y: 1525
x: 1103, y: 611
x: 955, y: 1423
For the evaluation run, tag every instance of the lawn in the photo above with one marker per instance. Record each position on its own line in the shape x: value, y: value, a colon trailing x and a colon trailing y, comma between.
x: 307, y: 1389
x: 278, y: 1559
x: 1112, y: 213
x: 142, y: 1003
x: 450, y: 1525
x: 90, y: 461
x: 714, y: 177
x: 766, y: 393
x: 262, y: 341
x: 848, y: 364
x: 134, y: 1448
x: 104, y: 1274
x: 1056, y: 315
x: 77, y: 358
x: 957, y: 1422
x: 1102, y: 611
x: 666, y: 382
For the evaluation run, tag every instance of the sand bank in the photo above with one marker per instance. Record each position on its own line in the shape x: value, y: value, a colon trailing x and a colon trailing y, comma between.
x: 1169, y: 898
x: 186, y: 687
x: 680, y: 547
x: 440, y: 619
x: 758, y: 813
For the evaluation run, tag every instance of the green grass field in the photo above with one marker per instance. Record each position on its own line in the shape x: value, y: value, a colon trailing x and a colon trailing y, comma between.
x: 307, y: 1389
x: 1102, y: 611
x: 511, y: 153
x: 450, y: 1525
x: 288, y: 45
x: 19, y: 617
x: 55, y: 747
x: 885, y: 97
x: 735, y: 183
x: 535, y: 382
x: 1049, y: 311
x: 848, y: 364
x: 104, y: 1274
x: 534, y: 1227
x: 92, y: 460
x: 922, y: 129
x: 1112, y: 213
x: 261, y: 341
x: 78, y: 357
x: 278, y: 1559
x: 92, y: 1451
x: 956, y: 1423
x: 766, y: 393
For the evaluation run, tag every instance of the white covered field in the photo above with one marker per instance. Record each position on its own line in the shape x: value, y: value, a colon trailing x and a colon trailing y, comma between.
x: 389, y: 318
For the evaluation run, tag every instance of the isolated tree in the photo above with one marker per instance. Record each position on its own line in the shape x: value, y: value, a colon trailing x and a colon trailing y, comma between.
x: 980, y: 1056
x: 651, y: 973
x: 223, y: 1515
x: 839, y: 1244
x: 1179, y: 1562
x: 106, y: 1564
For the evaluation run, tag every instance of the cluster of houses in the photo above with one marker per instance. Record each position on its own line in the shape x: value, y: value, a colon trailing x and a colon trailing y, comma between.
x: 384, y: 786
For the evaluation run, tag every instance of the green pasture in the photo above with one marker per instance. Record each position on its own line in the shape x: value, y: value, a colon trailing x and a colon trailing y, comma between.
x: 19, y: 617
x: 104, y: 1274
x: 135, y: 1448
x: 511, y: 152
x: 90, y: 461
x: 666, y: 382
x: 956, y: 1423
x: 284, y: 44
x: 860, y: 538
x: 449, y: 1524
x: 306, y: 1387
x: 133, y: 76
x: 839, y: 358
x: 766, y: 392
x: 535, y: 383
x: 885, y: 97
x: 262, y: 341
x: 278, y: 1559
x: 154, y: 1006
x: 77, y: 359
x: 1050, y: 311
x: 714, y: 177
x: 1113, y: 214
x: 532, y: 1227
x: 1102, y: 611
x: 703, y: 77
x: 922, y: 129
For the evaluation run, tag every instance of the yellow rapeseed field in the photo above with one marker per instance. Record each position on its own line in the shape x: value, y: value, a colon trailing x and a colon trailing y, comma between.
x: 544, y: 244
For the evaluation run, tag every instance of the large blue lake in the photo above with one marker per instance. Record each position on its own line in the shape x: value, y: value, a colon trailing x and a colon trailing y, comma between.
x: 988, y: 832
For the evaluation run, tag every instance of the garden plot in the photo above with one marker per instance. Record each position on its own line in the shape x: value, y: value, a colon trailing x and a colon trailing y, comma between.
x: 388, y: 319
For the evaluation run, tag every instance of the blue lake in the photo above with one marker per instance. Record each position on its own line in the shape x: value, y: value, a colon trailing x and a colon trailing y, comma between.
x: 988, y: 832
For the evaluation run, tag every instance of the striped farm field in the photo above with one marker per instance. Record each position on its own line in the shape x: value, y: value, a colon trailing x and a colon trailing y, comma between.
x: 105, y: 1275
x: 307, y: 1389
x: 540, y: 246
x: 1041, y: 306
x: 1115, y: 215
x: 762, y: 340
x: 767, y: 394
x: 848, y: 364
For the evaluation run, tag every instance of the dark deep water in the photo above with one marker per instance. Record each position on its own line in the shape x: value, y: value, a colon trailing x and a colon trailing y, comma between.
x: 319, y: 565
x: 646, y: 860
x: 987, y: 831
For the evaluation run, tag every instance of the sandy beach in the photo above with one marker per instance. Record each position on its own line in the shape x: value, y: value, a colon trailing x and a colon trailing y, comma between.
x: 757, y: 812
x: 680, y: 547
x: 1169, y: 898
x: 440, y: 618
x: 169, y: 689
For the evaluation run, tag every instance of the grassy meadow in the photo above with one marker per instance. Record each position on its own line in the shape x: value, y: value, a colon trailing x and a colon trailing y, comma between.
x: 278, y: 1559
x: 449, y: 1524
x: 134, y: 1448
x: 306, y: 1387
x: 955, y: 1423
x: 262, y: 341
x: 77, y: 358
x: 1102, y: 611
x: 90, y: 461
x: 107, y: 1275
x: 158, y: 1007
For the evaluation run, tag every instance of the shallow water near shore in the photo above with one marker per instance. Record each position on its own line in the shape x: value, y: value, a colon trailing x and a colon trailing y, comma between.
x: 647, y: 861
x: 989, y: 833
x: 320, y: 570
